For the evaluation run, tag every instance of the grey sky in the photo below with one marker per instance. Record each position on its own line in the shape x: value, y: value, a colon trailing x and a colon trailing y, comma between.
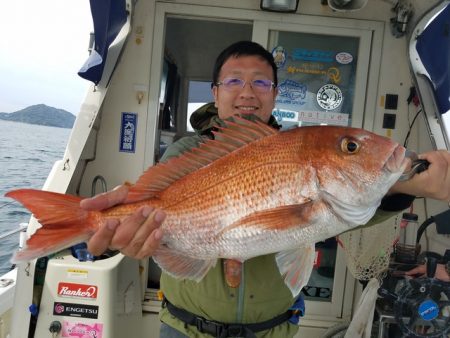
x: 42, y: 46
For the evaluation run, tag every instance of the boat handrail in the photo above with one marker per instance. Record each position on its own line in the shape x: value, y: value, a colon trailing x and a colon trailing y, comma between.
x: 94, y: 184
x: 22, y: 227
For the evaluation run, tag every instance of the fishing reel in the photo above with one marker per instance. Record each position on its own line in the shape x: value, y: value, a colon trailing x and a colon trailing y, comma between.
x: 421, y: 305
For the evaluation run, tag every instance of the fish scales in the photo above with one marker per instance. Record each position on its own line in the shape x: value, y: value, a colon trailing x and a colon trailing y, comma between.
x: 211, y: 211
x: 224, y: 193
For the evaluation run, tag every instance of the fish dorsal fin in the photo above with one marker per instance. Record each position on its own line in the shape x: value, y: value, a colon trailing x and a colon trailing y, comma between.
x: 234, y: 135
x: 241, y: 131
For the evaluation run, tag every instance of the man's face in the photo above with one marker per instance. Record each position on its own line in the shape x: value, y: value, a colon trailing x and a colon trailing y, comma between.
x: 246, y: 100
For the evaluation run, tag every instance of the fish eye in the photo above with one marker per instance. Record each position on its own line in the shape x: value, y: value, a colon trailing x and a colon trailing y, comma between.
x: 349, y: 146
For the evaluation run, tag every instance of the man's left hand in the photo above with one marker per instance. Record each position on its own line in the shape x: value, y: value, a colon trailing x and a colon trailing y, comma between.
x: 433, y: 182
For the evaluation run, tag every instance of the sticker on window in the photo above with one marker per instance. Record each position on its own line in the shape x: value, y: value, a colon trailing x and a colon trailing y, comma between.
x: 329, y: 97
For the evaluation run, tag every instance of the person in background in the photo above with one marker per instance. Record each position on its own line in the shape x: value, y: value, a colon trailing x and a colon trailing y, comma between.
x: 253, y: 293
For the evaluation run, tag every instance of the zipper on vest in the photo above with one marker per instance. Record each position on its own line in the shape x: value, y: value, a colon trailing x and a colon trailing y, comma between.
x: 240, y: 303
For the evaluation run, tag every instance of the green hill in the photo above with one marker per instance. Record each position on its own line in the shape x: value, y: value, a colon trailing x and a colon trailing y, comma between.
x: 43, y: 115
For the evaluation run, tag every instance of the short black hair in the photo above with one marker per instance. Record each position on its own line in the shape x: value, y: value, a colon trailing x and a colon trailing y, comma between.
x: 244, y: 48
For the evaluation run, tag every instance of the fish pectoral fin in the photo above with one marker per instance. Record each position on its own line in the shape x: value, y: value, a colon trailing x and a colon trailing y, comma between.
x: 296, y: 266
x: 281, y: 218
x: 180, y: 266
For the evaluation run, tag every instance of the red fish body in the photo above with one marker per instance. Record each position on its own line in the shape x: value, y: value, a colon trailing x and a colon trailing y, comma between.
x: 251, y: 191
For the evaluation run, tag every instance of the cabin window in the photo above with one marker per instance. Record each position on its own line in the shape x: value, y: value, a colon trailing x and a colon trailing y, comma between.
x: 192, y: 44
x: 316, y: 78
x: 168, y: 95
x: 199, y: 94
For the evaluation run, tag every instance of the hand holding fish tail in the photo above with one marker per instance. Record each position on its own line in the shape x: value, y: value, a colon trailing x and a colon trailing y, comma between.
x: 107, y: 199
x: 137, y: 235
x: 433, y: 182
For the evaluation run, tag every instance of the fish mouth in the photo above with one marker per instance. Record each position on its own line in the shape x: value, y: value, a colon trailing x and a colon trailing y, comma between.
x: 399, y: 160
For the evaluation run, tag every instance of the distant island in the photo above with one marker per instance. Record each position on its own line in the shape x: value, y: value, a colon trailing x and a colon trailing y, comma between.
x: 42, y: 115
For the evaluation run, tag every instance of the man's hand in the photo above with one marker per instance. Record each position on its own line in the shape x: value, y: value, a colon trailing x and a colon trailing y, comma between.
x: 421, y: 270
x: 433, y: 182
x: 137, y: 235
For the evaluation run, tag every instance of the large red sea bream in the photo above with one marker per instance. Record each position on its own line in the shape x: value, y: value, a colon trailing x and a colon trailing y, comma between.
x: 251, y: 191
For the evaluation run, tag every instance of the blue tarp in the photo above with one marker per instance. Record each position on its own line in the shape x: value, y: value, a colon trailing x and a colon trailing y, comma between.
x: 433, y: 47
x: 109, y: 16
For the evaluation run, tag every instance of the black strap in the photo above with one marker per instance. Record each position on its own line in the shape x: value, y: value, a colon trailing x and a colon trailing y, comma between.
x: 396, y: 202
x: 223, y: 330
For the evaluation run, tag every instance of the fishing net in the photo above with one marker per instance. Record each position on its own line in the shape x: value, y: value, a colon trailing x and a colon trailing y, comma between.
x: 368, y: 250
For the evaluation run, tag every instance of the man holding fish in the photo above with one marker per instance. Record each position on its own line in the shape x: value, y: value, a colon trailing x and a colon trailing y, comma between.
x: 233, y: 213
x: 244, y: 84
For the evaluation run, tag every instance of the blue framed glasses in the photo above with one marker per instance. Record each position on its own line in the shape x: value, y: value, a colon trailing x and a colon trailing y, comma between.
x: 235, y: 84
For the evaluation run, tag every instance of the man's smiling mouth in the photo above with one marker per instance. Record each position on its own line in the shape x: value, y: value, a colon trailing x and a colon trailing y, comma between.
x: 248, y: 108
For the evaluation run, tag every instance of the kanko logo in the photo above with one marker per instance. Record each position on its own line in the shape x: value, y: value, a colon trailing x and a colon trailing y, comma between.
x: 77, y: 290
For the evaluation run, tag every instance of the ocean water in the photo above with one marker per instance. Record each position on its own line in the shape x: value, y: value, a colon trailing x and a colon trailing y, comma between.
x: 27, y: 154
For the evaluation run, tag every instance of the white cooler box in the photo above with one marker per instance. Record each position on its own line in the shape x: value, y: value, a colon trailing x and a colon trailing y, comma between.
x: 100, y: 299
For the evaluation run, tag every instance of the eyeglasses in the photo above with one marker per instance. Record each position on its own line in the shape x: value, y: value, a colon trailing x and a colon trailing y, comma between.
x: 234, y: 84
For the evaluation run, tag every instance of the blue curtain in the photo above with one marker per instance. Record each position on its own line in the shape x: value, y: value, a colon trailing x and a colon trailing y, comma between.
x: 433, y: 46
x: 109, y: 16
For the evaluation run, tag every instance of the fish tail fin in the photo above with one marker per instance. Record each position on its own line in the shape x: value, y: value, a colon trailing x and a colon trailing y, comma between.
x: 63, y: 222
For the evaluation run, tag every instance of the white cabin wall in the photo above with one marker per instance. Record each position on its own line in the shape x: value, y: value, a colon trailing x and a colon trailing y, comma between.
x: 132, y: 73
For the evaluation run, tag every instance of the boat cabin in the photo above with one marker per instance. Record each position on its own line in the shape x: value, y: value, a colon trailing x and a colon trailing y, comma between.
x: 371, y: 64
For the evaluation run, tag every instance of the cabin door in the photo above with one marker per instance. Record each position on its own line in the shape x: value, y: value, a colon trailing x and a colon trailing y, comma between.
x: 325, y: 75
